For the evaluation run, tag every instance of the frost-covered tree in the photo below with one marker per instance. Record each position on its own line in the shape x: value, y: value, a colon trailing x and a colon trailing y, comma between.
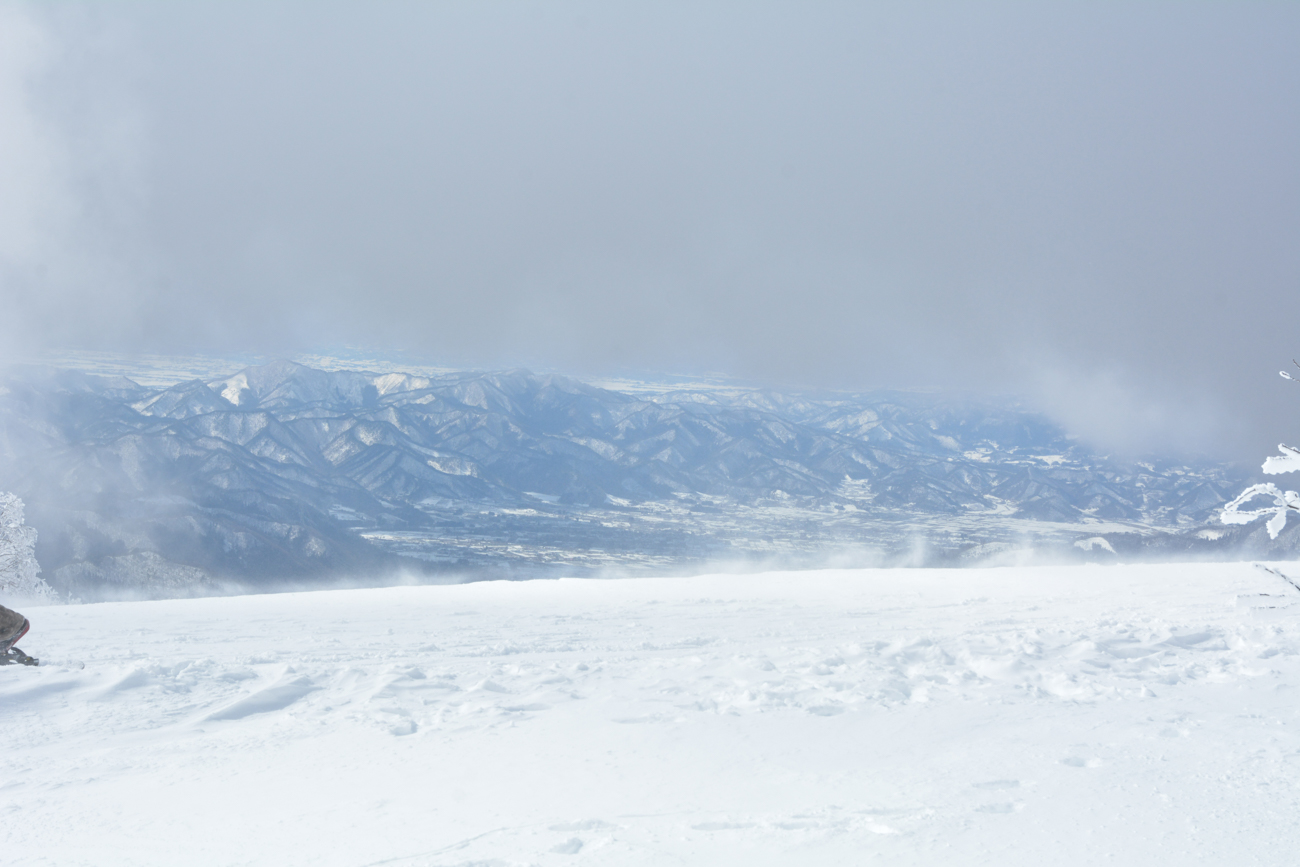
x: 19, y: 571
x: 1283, y: 501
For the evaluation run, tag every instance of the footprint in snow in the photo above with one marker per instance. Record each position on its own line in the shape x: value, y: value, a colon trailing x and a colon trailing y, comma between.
x: 996, y: 808
x: 403, y: 727
x: 1188, y: 640
x: 488, y: 686
x: 272, y: 698
x: 135, y: 678
x: 1076, y: 762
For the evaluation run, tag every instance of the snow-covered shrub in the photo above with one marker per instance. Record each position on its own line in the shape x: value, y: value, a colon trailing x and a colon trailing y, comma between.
x: 19, y: 571
x: 1283, y: 501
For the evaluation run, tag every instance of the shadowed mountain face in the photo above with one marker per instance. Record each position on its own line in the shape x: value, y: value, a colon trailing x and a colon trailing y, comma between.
x: 283, y: 472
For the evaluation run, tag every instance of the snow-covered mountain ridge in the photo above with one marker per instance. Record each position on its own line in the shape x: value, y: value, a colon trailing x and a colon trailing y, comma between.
x: 286, y: 471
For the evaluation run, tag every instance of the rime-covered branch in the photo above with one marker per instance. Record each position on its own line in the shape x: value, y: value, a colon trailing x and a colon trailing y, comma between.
x: 1283, y: 501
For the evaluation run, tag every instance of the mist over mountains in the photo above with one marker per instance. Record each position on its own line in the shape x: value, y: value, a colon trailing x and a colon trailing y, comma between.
x: 286, y: 473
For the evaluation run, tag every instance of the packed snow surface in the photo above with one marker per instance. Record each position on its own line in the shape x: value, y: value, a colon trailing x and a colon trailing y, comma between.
x: 1075, y: 715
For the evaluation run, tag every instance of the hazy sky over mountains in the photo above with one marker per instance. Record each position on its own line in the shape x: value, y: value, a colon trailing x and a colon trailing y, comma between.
x: 1095, y: 205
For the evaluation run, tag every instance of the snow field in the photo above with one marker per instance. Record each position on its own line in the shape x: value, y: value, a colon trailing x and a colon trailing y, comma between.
x: 1073, y: 715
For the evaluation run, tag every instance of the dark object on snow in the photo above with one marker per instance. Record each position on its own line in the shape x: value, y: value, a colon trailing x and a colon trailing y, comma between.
x: 13, y: 626
x: 15, y: 656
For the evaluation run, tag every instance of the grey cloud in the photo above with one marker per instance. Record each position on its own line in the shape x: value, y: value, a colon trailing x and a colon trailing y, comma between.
x: 1091, y: 204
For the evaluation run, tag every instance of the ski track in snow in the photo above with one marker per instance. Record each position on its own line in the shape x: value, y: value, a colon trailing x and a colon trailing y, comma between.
x: 1073, y: 715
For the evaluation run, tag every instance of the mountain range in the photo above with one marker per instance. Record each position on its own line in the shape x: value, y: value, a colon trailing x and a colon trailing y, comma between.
x: 284, y: 473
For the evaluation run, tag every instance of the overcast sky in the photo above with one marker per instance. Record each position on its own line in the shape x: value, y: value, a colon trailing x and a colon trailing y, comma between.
x: 1096, y: 206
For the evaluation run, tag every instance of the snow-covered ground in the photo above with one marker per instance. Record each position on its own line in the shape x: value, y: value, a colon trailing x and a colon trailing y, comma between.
x: 1080, y: 715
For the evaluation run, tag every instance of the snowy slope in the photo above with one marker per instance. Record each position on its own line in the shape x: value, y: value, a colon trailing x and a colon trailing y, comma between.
x: 1080, y: 715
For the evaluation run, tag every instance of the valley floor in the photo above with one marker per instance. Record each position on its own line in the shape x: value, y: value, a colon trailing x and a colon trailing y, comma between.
x: 1072, y: 715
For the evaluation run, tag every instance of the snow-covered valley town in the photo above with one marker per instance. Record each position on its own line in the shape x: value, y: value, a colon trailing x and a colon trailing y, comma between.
x: 1019, y: 716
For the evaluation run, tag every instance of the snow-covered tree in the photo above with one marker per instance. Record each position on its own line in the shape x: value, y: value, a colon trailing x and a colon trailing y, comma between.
x: 1283, y: 501
x: 19, y: 571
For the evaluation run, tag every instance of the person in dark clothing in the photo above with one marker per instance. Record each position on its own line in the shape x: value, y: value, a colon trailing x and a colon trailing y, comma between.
x: 13, y: 626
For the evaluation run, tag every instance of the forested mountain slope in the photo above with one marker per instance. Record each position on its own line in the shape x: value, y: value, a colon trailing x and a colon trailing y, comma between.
x: 287, y: 472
